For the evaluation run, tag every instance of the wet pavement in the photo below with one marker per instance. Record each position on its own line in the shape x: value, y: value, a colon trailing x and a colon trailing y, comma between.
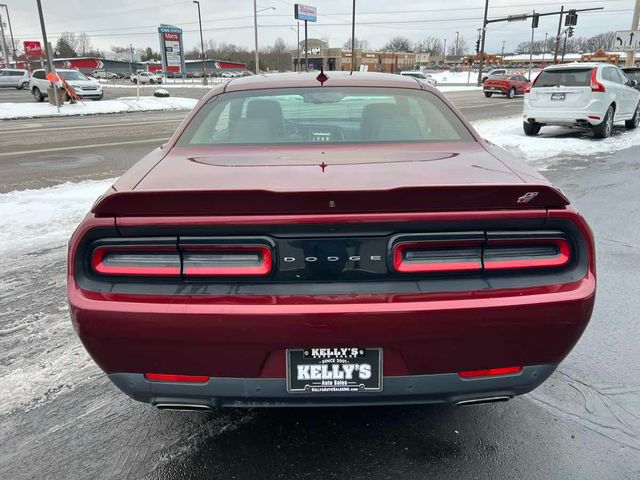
x: 60, y: 418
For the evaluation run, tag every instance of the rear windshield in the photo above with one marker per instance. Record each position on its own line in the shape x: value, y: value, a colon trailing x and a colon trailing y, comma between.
x: 568, y: 77
x: 324, y: 115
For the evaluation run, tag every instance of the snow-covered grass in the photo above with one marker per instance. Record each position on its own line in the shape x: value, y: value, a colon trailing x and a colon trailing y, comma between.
x: 32, y: 220
x: 120, y: 105
x: 552, y: 143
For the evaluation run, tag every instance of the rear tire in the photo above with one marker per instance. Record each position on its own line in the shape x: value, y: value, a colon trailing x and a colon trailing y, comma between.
x: 604, y: 128
x: 37, y: 94
x: 531, y: 129
x: 488, y: 94
x: 511, y: 93
x: 634, y: 121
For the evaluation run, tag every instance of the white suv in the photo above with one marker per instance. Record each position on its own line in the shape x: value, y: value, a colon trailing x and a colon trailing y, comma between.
x: 146, y: 77
x: 14, y: 77
x: 591, y: 95
x: 84, y: 86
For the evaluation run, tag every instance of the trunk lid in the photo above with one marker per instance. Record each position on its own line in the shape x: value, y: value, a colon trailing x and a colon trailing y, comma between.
x: 329, y: 179
x: 562, y: 88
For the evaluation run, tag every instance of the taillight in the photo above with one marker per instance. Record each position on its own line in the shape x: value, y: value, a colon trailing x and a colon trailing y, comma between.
x: 160, y: 260
x: 216, y: 260
x: 438, y: 256
x: 492, y: 251
x: 185, y: 257
x: 490, y: 372
x: 596, y: 86
x: 526, y: 253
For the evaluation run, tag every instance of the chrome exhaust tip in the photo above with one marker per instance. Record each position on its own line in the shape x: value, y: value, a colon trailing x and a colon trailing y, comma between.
x: 480, y: 401
x: 185, y: 407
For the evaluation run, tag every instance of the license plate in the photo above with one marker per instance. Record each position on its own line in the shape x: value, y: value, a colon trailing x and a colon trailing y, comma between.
x: 334, y: 370
x: 557, y: 96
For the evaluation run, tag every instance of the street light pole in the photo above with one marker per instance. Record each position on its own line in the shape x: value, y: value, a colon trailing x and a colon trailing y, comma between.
x: 634, y: 26
x: 204, y: 69
x: 13, y: 43
x: 444, y: 53
x: 457, y: 40
x: 544, y: 48
x: 5, y: 50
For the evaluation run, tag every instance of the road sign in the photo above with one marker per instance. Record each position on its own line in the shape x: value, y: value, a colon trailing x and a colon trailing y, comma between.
x: 626, y: 40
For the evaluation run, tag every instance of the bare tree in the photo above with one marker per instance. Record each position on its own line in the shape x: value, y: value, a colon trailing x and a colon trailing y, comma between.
x: 83, y: 44
x: 360, y: 44
x: 398, y: 44
x: 432, y: 45
x: 463, y: 47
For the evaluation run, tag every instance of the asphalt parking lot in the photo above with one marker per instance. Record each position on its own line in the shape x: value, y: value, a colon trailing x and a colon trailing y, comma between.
x: 584, y: 423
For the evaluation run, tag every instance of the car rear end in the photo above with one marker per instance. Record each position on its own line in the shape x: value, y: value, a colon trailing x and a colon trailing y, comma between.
x: 566, y: 95
x: 497, y: 84
x: 398, y: 272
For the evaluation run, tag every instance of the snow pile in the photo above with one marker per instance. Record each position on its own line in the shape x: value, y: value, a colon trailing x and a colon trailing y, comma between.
x: 458, y: 88
x: 120, y: 105
x: 552, y: 142
x: 36, y: 219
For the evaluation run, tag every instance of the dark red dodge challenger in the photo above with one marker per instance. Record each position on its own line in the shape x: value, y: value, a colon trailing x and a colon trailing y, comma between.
x: 335, y: 239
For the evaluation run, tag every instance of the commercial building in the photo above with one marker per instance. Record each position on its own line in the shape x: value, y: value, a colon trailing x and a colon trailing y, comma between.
x: 322, y: 56
x: 88, y: 64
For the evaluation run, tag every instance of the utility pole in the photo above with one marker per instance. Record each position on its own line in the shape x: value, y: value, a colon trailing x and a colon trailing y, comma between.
x: 502, y: 52
x: 255, y: 32
x: 5, y: 51
x: 634, y: 26
x: 544, y: 48
x: 457, y: 43
x: 555, y: 54
x: 444, y: 53
x: 353, y: 38
x: 45, y: 41
x: 298, y: 66
x: 483, y: 34
x: 13, y: 43
x: 204, y: 69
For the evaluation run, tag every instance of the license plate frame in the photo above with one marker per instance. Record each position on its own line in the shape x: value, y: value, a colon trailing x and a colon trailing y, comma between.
x: 320, y: 363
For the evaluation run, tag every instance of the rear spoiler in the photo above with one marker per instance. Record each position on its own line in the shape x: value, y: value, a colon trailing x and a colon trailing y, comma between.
x: 256, y: 202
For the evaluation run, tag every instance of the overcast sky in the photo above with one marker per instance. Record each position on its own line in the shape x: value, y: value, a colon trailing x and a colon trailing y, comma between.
x: 124, y: 22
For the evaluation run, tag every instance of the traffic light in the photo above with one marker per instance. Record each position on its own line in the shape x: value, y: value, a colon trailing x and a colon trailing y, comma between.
x: 534, y: 21
x: 571, y: 19
x: 570, y: 33
x: 478, y: 46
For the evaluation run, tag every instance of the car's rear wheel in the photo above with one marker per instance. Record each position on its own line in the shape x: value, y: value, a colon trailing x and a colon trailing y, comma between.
x: 488, y: 94
x: 604, y: 128
x: 531, y: 129
x: 37, y: 94
x: 633, y: 121
x: 152, y: 81
x: 511, y: 93
x: 135, y: 80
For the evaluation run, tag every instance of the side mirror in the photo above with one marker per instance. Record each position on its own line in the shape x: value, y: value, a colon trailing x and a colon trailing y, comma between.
x: 633, y: 83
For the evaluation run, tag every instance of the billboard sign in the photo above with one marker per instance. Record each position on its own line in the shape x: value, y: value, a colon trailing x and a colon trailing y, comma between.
x: 305, y: 13
x: 32, y: 49
x: 171, y: 48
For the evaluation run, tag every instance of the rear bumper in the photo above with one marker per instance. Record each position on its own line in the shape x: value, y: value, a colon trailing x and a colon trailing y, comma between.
x: 566, y: 116
x: 448, y: 388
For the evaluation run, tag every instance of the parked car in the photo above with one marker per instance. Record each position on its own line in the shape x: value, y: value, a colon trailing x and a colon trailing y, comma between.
x: 507, y: 85
x: 14, y: 77
x: 230, y: 74
x: 495, y: 71
x: 146, y: 77
x: 84, y: 86
x: 421, y: 75
x: 423, y: 265
x: 102, y: 74
x: 593, y: 95
x: 633, y: 73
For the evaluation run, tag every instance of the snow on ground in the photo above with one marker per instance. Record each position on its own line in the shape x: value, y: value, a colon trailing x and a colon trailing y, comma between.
x: 120, y: 105
x: 472, y: 78
x: 44, y: 218
x: 458, y: 88
x: 552, y: 144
